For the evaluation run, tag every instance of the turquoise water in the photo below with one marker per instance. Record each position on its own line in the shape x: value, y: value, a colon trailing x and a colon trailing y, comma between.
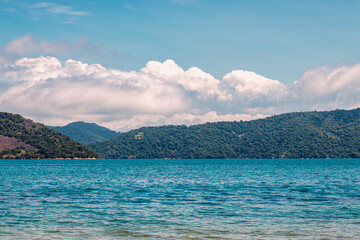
x: 180, y: 199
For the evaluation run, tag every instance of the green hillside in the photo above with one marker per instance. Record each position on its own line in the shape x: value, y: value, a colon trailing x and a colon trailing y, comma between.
x: 86, y: 133
x: 333, y: 134
x: 23, y: 138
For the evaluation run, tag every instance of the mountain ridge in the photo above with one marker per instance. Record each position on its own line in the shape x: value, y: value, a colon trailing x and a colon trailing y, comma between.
x: 24, y: 138
x: 326, y: 134
x: 85, y: 133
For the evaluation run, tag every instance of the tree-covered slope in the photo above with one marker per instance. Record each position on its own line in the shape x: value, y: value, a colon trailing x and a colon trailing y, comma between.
x: 23, y: 138
x: 333, y: 134
x: 86, y: 133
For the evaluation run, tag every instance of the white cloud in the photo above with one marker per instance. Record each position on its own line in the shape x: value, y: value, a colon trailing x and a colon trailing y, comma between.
x: 10, y: 10
x: 28, y: 45
x: 57, y: 93
x: 325, y: 80
x: 35, y: 69
x: 250, y: 86
x: 329, y: 88
x: 47, y: 88
x: 66, y: 10
x: 59, y: 9
x: 193, y: 80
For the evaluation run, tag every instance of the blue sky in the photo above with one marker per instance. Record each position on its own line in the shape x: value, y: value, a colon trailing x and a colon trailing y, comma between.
x: 251, y: 56
x: 278, y: 39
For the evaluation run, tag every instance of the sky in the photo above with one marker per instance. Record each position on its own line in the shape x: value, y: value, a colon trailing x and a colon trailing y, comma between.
x: 126, y: 64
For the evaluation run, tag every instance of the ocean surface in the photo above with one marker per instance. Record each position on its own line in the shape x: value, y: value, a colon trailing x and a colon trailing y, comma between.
x: 180, y: 199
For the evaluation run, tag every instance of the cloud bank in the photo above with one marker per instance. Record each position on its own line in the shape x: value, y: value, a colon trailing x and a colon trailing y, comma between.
x: 56, y: 93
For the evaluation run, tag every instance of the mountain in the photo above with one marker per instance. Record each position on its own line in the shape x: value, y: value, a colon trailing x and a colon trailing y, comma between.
x: 331, y: 134
x: 86, y: 133
x: 23, y: 138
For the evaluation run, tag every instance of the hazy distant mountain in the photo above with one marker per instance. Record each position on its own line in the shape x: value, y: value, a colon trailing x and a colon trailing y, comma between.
x: 86, y: 133
x: 332, y: 134
x: 23, y: 138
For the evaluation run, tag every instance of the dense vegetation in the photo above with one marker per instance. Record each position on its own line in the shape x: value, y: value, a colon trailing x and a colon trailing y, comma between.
x: 334, y: 134
x: 86, y: 133
x: 34, y: 140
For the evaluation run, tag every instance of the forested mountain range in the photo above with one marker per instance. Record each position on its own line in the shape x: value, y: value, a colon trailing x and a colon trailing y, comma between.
x: 86, y: 133
x: 23, y: 138
x: 328, y: 134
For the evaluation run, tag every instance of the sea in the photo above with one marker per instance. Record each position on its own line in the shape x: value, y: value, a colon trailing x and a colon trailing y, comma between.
x: 180, y: 199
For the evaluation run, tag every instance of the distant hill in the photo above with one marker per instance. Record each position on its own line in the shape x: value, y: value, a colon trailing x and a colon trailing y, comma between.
x: 332, y: 134
x: 86, y: 133
x: 23, y: 138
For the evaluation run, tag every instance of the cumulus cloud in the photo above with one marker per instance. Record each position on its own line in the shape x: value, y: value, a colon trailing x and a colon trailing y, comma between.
x: 50, y: 90
x: 74, y: 88
x: 251, y: 86
x: 329, y: 88
x: 56, y: 93
x: 192, y: 80
x: 325, y: 80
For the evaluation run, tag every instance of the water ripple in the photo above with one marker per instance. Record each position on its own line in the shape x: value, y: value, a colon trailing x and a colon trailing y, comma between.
x: 180, y: 199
